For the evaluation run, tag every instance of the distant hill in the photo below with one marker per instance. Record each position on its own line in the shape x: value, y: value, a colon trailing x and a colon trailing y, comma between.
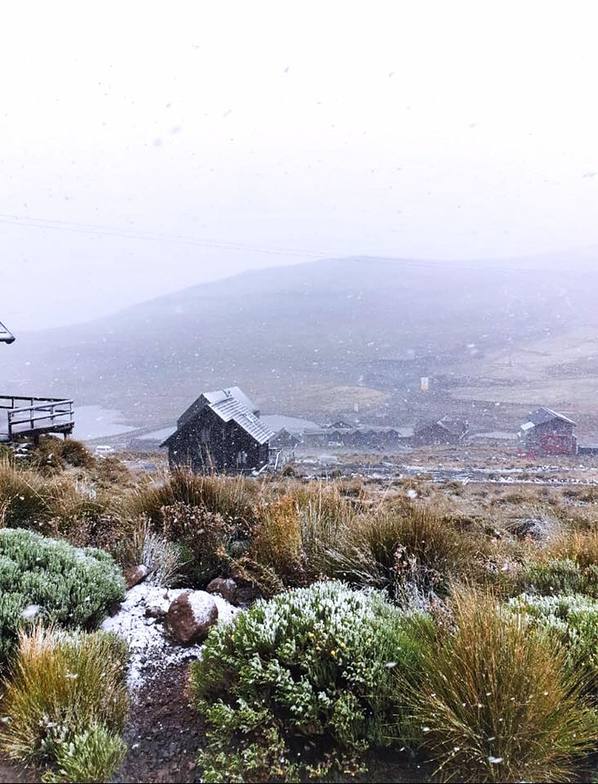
x: 336, y: 337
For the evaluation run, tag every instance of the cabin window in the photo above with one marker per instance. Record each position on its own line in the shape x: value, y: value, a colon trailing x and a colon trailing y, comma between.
x: 241, y: 458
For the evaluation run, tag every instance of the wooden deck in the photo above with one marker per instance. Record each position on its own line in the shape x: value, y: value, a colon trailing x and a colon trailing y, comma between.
x: 32, y: 417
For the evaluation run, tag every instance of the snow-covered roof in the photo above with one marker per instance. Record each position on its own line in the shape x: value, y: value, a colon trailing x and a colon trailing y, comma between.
x: 228, y: 404
x: 542, y: 415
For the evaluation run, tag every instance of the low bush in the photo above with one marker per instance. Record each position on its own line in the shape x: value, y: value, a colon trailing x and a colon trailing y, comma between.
x: 562, y: 576
x: 111, y: 473
x: 277, y: 541
x: 24, y: 496
x: 498, y: 702
x: 89, y: 525
x: 580, y: 546
x: 324, y: 515
x: 90, y: 756
x: 48, y: 581
x: 46, y: 456
x: 301, y: 684
x: 202, y: 537
x: 65, y: 704
x: 573, y: 620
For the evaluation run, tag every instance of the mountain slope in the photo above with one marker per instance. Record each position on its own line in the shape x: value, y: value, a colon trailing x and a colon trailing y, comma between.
x: 315, y: 339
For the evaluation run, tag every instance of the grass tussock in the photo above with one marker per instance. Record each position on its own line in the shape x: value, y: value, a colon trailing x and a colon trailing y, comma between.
x: 52, y: 455
x: 65, y: 704
x: 498, y: 702
x: 232, y: 498
x: 30, y: 500
x: 404, y: 544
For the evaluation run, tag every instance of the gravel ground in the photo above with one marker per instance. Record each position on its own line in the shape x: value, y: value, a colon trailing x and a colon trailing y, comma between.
x: 163, y: 732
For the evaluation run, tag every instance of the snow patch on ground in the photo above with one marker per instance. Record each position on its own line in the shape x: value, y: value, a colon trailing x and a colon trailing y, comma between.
x: 151, y: 650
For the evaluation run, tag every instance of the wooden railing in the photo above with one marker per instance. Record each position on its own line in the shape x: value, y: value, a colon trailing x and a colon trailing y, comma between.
x: 35, y: 415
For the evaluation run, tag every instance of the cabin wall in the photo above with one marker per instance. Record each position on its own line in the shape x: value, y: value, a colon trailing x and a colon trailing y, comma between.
x: 552, y: 438
x: 207, y: 444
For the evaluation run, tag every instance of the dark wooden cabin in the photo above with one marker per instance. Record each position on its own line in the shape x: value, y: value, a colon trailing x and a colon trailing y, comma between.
x: 448, y: 430
x: 547, y: 432
x: 221, y: 432
x: 28, y: 418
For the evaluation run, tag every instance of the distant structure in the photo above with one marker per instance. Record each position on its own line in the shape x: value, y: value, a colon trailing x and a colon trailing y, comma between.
x: 28, y: 418
x: 376, y: 437
x: 547, y: 432
x: 448, y: 430
x: 284, y: 440
x: 221, y: 432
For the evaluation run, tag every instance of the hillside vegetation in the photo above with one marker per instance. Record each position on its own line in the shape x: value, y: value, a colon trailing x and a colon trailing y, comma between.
x: 317, y: 339
x: 441, y: 627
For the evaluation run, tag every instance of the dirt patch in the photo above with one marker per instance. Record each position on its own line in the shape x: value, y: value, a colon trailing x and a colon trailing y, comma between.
x: 163, y: 732
x: 13, y: 774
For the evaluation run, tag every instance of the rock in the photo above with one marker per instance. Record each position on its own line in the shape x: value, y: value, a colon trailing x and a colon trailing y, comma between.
x: 191, y: 616
x: 135, y: 574
x: 157, y: 608
x: 225, y: 587
x: 536, y: 528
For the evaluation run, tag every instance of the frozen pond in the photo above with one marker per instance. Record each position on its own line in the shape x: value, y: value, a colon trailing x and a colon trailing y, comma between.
x: 97, y: 422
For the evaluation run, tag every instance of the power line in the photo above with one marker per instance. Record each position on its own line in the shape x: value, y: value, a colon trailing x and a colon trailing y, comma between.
x: 113, y: 231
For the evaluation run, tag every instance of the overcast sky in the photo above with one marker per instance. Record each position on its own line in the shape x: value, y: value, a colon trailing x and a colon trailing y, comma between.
x: 146, y: 146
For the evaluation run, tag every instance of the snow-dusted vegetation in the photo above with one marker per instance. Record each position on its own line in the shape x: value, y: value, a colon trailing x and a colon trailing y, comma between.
x: 270, y: 629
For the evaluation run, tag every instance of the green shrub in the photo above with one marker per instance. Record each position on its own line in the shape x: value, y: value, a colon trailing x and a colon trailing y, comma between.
x: 498, y: 702
x: 301, y: 684
x: 51, y: 582
x: 573, y: 619
x: 561, y: 576
x: 65, y: 704
x: 92, y: 755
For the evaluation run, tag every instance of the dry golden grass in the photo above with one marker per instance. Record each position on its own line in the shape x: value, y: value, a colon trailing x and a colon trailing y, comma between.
x: 59, y: 686
x: 498, y: 703
x: 231, y: 497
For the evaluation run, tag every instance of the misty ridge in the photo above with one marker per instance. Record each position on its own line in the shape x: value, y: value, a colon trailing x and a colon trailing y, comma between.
x: 342, y: 337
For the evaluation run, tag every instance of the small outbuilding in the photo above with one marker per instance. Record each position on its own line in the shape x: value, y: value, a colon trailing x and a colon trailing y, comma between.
x: 448, y: 430
x: 546, y: 432
x: 221, y: 432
